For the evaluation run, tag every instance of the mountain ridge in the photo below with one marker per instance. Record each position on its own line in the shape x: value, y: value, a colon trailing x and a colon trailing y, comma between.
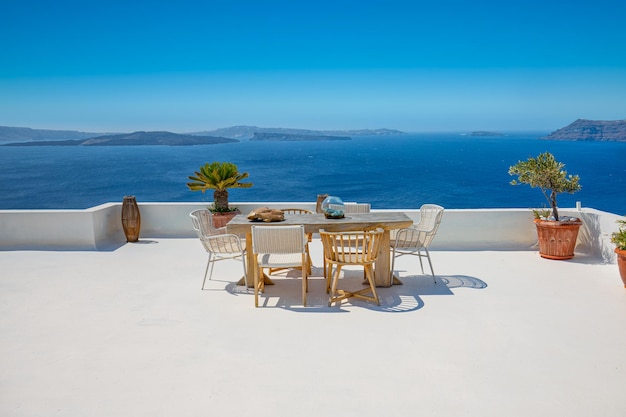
x: 132, y: 139
x: 291, y: 137
x: 591, y: 130
x: 26, y: 134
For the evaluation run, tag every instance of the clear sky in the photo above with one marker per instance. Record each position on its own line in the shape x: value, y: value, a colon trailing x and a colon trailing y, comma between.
x: 186, y: 66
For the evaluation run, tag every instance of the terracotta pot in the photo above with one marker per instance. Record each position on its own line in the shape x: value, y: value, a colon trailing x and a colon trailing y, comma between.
x: 221, y: 219
x: 621, y: 264
x: 131, y: 218
x: 557, y: 240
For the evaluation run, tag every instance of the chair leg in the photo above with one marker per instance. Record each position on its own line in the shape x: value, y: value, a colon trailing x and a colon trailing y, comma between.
x: 419, y: 254
x: 328, y: 275
x: 393, y: 263
x: 206, y: 270
x: 245, y: 272
x: 369, y: 273
x: 432, y: 271
x: 335, y: 279
x: 258, y: 281
x: 309, y: 262
x: 305, y: 286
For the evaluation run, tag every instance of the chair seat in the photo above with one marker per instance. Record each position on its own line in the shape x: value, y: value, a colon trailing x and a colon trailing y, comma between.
x: 280, y: 260
x: 408, y: 245
x: 225, y: 244
x: 353, y: 259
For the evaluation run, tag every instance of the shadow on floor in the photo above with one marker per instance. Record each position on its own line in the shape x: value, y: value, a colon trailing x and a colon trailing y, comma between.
x: 287, y: 292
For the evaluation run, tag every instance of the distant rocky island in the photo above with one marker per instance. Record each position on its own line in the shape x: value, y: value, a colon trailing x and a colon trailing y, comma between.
x: 23, y: 136
x: 291, y: 137
x: 132, y: 139
x: 591, y: 130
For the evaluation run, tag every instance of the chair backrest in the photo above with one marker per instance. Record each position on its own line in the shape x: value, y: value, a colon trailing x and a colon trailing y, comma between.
x: 202, y: 221
x: 421, y: 234
x: 359, y: 247
x: 214, y: 240
x: 356, y: 207
x: 278, y: 239
x: 430, y: 218
x: 296, y: 211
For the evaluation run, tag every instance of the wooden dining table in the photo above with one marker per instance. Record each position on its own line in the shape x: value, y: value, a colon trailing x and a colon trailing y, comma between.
x: 313, y: 223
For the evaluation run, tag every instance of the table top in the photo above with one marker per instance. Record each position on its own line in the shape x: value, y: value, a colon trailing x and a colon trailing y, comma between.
x: 314, y: 222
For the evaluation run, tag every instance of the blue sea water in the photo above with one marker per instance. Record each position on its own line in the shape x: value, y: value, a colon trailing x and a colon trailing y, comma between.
x: 453, y: 170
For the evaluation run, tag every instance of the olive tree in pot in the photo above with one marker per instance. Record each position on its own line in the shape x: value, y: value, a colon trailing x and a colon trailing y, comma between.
x: 219, y: 176
x: 557, y: 234
x: 619, y: 238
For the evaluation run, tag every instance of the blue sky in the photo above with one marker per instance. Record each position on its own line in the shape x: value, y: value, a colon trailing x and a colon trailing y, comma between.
x: 416, y: 66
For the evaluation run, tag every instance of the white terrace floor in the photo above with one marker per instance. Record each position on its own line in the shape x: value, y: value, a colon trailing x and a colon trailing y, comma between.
x: 130, y: 333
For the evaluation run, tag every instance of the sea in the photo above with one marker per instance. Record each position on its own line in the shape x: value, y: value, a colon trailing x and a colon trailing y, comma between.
x: 454, y: 170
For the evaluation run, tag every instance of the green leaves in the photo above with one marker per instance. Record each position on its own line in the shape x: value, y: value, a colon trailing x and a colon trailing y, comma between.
x: 218, y: 176
x: 619, y: 237
x: 545, y: 173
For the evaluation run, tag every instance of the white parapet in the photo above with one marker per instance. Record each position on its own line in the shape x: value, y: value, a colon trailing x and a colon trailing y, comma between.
x: 100, y: 227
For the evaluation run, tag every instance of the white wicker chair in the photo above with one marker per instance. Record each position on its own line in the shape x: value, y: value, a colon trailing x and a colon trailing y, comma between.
x: 309, y: 236
x: 217, y: 243
x: 412, y: 240
x: 349, y: 249
x: 356, y: 208
x: 279, y: 247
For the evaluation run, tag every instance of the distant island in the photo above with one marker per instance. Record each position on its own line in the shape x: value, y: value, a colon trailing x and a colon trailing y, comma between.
x: 21, y: 134
x: 248, y: 132
x: 291, y: 137
x: 24, y: 136
x: 485, y: 133
x: 133, y: 139
x: 591, y: 130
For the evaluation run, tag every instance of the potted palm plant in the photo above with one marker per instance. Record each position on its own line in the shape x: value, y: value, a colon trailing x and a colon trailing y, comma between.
x: 219, y: 176
x: 619, y: 238
x: 557, y: 234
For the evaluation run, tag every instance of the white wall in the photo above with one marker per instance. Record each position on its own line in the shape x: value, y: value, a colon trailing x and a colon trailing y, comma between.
x: 100, y: 228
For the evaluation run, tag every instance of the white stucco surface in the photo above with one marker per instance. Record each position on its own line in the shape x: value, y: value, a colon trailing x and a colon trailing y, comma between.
x: 129, y: 332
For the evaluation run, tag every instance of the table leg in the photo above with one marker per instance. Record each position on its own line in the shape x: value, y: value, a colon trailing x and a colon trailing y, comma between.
x: 250, y: 265
x: 382, y: 273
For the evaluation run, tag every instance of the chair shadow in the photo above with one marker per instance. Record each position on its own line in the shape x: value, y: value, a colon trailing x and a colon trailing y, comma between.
x: 287, y: 292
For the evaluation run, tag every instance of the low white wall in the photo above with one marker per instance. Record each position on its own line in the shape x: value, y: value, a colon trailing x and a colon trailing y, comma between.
x: 100, y: 228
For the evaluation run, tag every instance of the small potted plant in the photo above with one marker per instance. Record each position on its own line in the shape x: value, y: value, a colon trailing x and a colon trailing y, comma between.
x: 219, y: 176
x: 619, y: 238
x: 557, y: 234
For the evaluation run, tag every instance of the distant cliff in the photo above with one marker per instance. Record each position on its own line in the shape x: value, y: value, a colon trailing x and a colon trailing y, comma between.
x: 290, y: 137
x: 133, y: 139
x: 591, y: 130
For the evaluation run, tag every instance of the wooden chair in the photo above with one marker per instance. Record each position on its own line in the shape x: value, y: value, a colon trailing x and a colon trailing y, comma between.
x: 348, y: 249
x: 278, y: 247
x: 353, y: 208
x: 412, y: 240
x: 217, y: 243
